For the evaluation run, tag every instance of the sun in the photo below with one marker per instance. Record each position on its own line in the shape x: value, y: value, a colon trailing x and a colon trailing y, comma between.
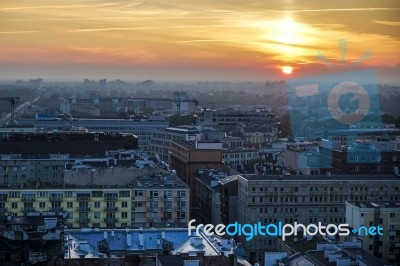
x: 287, y: 70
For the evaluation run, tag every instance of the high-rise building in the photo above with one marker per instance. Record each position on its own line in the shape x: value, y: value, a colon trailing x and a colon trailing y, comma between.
x: 186, y: 157
x: 305, y: 199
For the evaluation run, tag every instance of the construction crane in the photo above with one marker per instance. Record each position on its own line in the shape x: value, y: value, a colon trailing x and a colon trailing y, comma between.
x: 13, y: 101
x: 178, y: 98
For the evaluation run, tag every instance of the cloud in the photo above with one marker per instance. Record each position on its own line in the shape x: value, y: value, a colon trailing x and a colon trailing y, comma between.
x: 19, y: 32
x: 388, y: 23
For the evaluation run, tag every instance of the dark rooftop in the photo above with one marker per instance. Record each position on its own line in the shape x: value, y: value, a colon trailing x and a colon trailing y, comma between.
x: 321, y: 177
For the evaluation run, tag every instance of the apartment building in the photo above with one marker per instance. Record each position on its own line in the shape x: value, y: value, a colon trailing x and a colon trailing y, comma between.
x: 152, y: 200
x: 161, y: 201
x: 16, y: 169
x: 305, y: 199
x: 374, y: 213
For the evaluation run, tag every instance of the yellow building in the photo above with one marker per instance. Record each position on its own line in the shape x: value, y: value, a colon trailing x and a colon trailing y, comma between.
x: 386, y: 214
x: 85, y: 207
x: 151, y: 201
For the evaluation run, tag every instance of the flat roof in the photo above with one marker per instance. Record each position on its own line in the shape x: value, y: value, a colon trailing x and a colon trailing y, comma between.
x: 143, y: 240
x: 321, y: 177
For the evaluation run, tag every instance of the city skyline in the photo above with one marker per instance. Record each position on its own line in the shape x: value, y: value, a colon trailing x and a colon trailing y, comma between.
x: 183, y: 41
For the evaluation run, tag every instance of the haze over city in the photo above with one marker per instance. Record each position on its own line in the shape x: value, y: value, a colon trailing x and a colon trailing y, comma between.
x: 184, y: 40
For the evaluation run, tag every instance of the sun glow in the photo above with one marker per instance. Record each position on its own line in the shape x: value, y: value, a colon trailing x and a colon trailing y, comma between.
x: 287, y: 70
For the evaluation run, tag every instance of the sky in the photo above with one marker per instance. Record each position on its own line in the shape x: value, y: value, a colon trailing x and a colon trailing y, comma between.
x: 227, y: 40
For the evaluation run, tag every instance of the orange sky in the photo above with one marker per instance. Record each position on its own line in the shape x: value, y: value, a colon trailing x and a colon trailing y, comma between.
x: 208, y: 40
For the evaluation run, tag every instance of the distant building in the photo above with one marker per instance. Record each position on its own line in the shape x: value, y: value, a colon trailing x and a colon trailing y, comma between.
x: 102, y: 84
x: 74, y: 143
x: 305, y: 199
x: 237, y: 158
x: 379, y: 156
x: 143, y: 127
x: 187, y: 157
x: 160, y: 140
x: 373, y: 213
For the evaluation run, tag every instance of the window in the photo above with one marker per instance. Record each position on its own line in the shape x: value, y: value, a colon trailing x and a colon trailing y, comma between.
x: 182, y: 194
x: 124, y: 204
x: 154, y: 194
x: 69, y: 205
x: 42, y: 205
x: 14, y: 205
x: 125, y: 193
x: 97, y: 204
x: 96, y: 215
x: 124, y: 215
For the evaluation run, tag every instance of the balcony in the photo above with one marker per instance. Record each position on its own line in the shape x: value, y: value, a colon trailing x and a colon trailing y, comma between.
x: 111, y: 197
x: 3, y: 210
x: 28, y: 199
x: 140, y: 209
x: 83, y: 197
x: 110, y: 220
x: 56, y: 209
x: 55, y: 198
x: 111, y: 209
x: 83, y: 220
x: 3, y: 198
x: 83, y: 209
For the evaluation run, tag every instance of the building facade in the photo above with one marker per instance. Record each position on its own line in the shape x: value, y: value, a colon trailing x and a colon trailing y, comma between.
x: 157, y: 200
x: 187, y: 157
x: 387, y: 215
x: 160, y: 140
x: 305, y: 199
x: 143, y: 128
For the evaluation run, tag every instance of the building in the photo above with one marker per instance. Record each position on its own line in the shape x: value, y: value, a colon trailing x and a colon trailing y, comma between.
x: 301, y: 158
x: 160, y: 140
x: 319, y: 250
x: 153, y: 246
x: 161, y: 199
x: 186, y: 157
x: 58, y: 169
x: 305, y: 199
x: 237, y: 158
x: 207, y: 196
x: 224, y: 119
x: 228, y: 191
x: 383, y: 213
x: 74, y: 143
x: 257, y: 134
x: 379, y: 156
x: 142, y: 127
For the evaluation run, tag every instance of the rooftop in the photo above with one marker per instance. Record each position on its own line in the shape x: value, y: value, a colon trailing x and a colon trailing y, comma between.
x: 317, y: 178
x: 86, y: 242
x: 375, y: 204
